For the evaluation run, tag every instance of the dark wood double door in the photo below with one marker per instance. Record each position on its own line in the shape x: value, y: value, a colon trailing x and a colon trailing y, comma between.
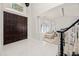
x: 15, y: 27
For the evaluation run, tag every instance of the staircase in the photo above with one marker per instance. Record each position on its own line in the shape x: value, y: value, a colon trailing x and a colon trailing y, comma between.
x: 69, y: 40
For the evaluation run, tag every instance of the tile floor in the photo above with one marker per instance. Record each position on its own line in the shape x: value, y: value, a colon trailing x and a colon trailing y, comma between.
x: 30, y: 47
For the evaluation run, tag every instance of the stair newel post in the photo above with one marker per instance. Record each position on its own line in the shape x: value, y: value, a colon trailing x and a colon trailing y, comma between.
x: 61, y: 44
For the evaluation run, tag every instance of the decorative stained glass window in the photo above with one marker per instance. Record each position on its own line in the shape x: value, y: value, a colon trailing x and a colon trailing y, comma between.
x: 17, y: 7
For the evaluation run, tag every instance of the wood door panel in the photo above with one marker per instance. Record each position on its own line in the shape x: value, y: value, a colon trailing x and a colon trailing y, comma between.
x: 15, y: 28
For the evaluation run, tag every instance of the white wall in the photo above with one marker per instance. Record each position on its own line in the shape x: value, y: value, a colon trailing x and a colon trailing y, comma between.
x: 7, y: 7
x: 71, y: 14
x: 64, y: 22
x: 1, y: 29
x: 37, y: 10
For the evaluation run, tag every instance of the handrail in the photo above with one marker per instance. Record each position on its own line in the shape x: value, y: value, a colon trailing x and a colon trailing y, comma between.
x: 69, y: 26
x: 62, y: 38
x: 72, y: 25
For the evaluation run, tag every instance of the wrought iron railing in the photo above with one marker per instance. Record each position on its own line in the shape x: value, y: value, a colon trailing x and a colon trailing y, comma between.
x: 69, y: 40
